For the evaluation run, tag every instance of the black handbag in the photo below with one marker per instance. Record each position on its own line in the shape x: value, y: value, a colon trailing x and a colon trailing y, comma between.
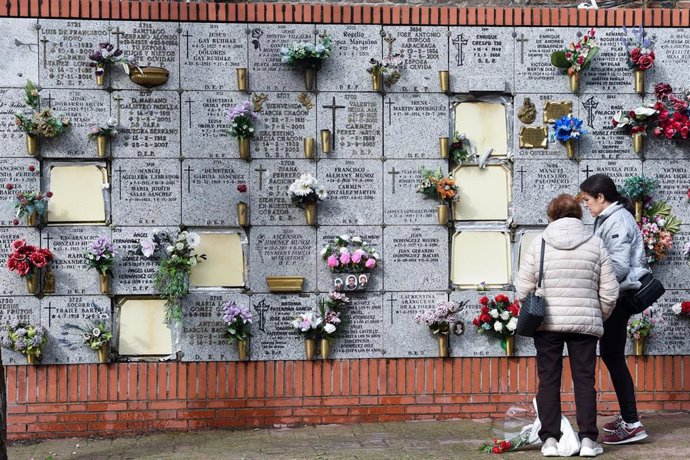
x: 533, y: 308
x: 649, y: 292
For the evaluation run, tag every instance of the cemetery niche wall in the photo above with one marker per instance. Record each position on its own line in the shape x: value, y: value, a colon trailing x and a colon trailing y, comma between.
x: 172, y: 162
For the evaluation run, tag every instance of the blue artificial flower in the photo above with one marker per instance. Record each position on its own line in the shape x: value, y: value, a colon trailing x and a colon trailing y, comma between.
x: 568, y: 127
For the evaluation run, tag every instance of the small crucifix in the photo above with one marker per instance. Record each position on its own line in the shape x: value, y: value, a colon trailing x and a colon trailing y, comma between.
x: 392, y: 300
x: 189, y: 178
x: 393, y: 173
x: 50, y: 311
x: 189, y: 110
x: 47, y: 238
x: 117, y: 100
x: 333, y: 108
x: 119, y: 172
x: 50, y: 101
x: 117, y: 32
x: 460, y: 41
x: 522, y: 172
x: 187, y: 35
x: 587, y: 171
x: 261, y: 170
x: 45, y: 51
x: 590, y: 104
x: 390, y: 103
x: 522, y: 41
x: 261, y: 308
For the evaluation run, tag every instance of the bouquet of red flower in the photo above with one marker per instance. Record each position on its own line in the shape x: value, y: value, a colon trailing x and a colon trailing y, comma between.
x: 681, y: 308
x: 498, y: 447
x: 637, y: 120
x: 673, y: 113
x: 639, y: 49
x: 25, y: 260
x: 498, y: 316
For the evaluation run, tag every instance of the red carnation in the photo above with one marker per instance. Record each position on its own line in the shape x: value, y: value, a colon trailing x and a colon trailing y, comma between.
x: 669, y: 132
x: 485, y: 309
x: 476, y: 321
x: 657, y: 131
x: 484, y: 318
x: 49, y: 194
x: 484, y: 300
x: 502, y: 298
x: 685, y: 306
x: 580, y: 59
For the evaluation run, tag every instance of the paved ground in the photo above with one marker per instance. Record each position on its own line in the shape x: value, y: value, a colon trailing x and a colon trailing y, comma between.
x: 457, y: 439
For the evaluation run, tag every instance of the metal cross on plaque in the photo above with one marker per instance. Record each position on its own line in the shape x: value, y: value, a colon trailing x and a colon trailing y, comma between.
x: 460, y: 41
x: 392, y: 300
x: 390, y: 103
x: 261, y: 308
x: 119, y: 172
x: 189, y: 170
x: 587, y: 171
x: 590, y: 104
x: 261, y: 170
x: 393, y: 173
x: 189, y: 102
x: 187, y: 35
x: 522, y: 172
x: 45, y: 51
x: 333, y: 108
x: 522, y: 41
x: 50, y: 311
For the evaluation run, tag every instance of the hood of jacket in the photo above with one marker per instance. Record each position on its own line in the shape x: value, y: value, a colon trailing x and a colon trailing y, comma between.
x: 566, y: 233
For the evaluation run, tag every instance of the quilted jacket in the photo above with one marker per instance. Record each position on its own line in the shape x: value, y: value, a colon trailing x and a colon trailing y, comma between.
x: 579, y: 283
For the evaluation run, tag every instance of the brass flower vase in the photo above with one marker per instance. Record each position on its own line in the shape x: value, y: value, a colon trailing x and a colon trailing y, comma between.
x: 637, y: 142
x: 324, y: 348
x: 309, y: 78
x: 639, y: 205
x: 310, y: 213
x: 103, y: 353
x: 574, y: 80
x: 100, y: 77
x: 32, y: 282
x: 638, y: 81
x: 32, y: 144
x: 104, y: 282
x: 376, y: 79
x: 326, y: 141
x: 443, y: 146
x: 309, y: 143
x: 244, y: 148
x: 242, y: 349
x: 443, y: 214
x: 444, y: 81
x: 638, y: 347
x: 570, y: 148
x: 309, y: 348
x: 510, y: 346
x: 101, y: 146
x: 242, y: 214
x: 32, y: 360
x: 32, y: 219
x: 443, y: 348
x: 241, y: 79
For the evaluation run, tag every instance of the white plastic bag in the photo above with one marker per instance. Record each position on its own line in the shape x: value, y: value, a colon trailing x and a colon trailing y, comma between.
x: 568, y: 445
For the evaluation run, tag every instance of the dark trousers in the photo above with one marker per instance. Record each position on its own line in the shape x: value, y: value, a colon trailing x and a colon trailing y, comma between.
x: 612, y: 351
x: 582, y: 350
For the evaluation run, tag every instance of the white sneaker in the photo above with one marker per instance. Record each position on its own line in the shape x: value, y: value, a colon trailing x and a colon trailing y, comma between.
x: 590, y: 448
x: 550, y: 448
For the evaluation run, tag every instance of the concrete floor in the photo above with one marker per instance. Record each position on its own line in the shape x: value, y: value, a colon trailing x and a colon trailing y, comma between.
x: 456, y: 439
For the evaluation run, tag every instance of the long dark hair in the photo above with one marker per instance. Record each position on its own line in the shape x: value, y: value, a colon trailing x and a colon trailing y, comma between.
x: 601, y: 183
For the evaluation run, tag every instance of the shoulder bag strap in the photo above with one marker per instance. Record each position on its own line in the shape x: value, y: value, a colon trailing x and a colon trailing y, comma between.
x: 541, y: 262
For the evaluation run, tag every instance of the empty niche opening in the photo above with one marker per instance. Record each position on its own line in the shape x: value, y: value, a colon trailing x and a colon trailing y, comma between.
x: 480, y: 257
x: 224, y: 264
x: 526, y: 239
x: 142, y: 331
x: 484, y: 193
x: 77, y: 194
x: 484, y: 125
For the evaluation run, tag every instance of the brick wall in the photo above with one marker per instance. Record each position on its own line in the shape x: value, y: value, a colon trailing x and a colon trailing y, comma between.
x: 128, y: 398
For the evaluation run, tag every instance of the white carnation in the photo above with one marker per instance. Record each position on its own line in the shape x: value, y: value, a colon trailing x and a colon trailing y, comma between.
x: 676, y: 308
x: 494, y: 313
x: 505, y: 315
x: 498, y: 326
x: 512, y: 324
x: 329, y: 328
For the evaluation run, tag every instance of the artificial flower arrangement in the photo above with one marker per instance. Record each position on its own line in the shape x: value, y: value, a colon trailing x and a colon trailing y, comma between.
x: 639, y: 51
x: 351, y: 259
x: 576, y: 58
x: 460, y: 149
x: 636, y: 122
x: 436, y: 186
x: 101, y: 256
x: 673, y: 113
x: 638, y: 189
x: 97, y: 337
x: 498, y: 317
x: 567, y: 130
x: 304, y: 193
x: 320, y: 324
x: 30, y: 206
x: 176, y: 259
x: 26, y: 338
x: 101, y: 133
x: 307, y: 56
x: 27, y: 261
x: 681, y: 308
x: 106, y: 54
x: 238, y: 324
x: 439, y: 321
x: 658, y: 228
x: 42, y: 123
x: 243, y: 118
x: 639, y: 329
x: 385, y: 71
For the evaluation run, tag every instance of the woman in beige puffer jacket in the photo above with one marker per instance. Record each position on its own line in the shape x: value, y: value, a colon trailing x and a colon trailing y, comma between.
x: 580, y: 288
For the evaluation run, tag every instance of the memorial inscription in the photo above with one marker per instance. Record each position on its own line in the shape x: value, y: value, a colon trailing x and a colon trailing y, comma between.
x: 354, y: 120
x: 418, y: 250
x: 427, y: 114
x: 205, y: 124
x: 354, y: 197
x: 272, y: 331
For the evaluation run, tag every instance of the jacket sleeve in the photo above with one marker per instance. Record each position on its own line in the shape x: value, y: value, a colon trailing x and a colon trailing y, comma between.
x: 608, y: 285
x: 618, y: 240
x: 526, y: 279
